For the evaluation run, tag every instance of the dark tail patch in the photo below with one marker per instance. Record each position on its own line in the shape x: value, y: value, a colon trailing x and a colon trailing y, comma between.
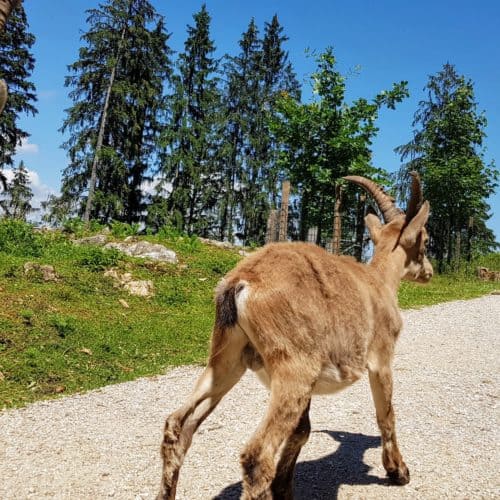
x: 226, y: 314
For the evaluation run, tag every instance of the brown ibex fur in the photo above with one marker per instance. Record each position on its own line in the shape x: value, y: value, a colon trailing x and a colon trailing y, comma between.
x: 307, y: 323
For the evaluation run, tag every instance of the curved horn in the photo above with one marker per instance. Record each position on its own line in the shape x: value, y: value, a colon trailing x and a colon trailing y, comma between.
x: 384, y: 201
x: 416, y: 196
x: 3, y: 94
x: 6, y: 7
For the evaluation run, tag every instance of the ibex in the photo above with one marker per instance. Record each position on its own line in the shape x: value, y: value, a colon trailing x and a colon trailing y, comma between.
x: 306, y: 322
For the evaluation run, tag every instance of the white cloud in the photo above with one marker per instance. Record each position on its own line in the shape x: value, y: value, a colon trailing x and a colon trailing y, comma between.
x: 27, y: 148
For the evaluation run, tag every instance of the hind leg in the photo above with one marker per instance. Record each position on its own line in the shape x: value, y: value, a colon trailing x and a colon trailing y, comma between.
x: 282, y: 486
x: 289, y: 399
x: 224, y: 369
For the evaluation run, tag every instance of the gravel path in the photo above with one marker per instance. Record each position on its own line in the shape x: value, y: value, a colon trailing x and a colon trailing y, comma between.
x: 106, y: 443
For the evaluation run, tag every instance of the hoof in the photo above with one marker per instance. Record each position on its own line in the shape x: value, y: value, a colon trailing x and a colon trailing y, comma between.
x: 400, y: 476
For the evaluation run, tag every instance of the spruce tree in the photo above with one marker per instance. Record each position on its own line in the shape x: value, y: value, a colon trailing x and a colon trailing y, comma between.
x: 16, y: 66
x: 255, y: 79
x: 191, y: 137
x: 16, y: 199
x: 117, y: 89
x: 447, y: 150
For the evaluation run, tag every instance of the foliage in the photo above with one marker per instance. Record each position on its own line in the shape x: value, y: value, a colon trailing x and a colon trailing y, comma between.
x: 446, y: 150
x: 118, y: 27
x: 18, y: 238
x: 326, y: 139
x: 16, y: 202
x: 97, y: 259
x: 17, y: 64
x: 191, y: 137
x: 255, y: 79
x: 122, y: 229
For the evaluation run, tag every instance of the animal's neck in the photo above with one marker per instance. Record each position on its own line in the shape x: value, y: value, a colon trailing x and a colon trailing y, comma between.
x: 390, y: 266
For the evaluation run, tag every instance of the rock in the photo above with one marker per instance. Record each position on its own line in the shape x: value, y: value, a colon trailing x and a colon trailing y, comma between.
x: 216, y: 243
x: 124, y: 303
x: 97, y: 239
x: 140, y: 288
x: 46, y: 272
x: 485, y: 274
x: 145, y: 250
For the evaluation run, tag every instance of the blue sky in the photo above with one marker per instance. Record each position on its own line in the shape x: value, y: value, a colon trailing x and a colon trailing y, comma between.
x: 389, y: 41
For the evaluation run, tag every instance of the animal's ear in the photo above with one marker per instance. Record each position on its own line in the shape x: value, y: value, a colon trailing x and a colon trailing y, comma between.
x: 415, y: 226
x: 374, y: 227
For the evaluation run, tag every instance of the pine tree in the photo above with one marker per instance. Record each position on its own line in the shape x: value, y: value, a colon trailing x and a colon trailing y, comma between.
x: 16, y: 201
x: 118, y: 101
x: 256, y: 77
x: 17, y: 64
x: 191, y: 137
x: 447, y: 150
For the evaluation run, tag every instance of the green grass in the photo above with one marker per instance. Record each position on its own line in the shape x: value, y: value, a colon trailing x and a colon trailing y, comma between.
x: 443, y: 288
x: 74, y: 334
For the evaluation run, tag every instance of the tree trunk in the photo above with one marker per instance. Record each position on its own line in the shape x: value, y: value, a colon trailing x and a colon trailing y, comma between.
x: 100, y: 136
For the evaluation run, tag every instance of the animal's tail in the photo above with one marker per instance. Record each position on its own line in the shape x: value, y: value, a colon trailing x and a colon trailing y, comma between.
x: 226, y: 312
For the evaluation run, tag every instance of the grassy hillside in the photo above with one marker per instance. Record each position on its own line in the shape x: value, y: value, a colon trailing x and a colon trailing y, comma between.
x: 77, y: 333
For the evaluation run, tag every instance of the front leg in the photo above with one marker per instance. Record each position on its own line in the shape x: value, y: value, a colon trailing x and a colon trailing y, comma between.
x: 381, y: 385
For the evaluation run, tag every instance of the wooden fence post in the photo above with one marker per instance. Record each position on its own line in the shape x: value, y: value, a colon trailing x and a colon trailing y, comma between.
x: 285, y: 194
x: 337, y: 222
x: 272, y: 226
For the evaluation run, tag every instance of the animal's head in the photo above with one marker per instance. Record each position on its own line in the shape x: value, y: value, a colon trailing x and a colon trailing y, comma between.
x: 404, y: 233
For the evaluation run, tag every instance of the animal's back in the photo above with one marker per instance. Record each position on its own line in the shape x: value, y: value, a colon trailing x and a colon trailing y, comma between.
x: 295, y: 297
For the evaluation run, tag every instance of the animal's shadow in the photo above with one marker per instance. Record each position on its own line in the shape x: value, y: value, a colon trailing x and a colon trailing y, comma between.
x: 321, y: 479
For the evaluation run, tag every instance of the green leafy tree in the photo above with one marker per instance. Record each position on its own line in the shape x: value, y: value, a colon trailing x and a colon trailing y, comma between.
x: 16, y: 66
x: 447, y: 150
x: 17, y: 196
x: 118, y: 102
x: 190, y: 170
x: 328, y: 138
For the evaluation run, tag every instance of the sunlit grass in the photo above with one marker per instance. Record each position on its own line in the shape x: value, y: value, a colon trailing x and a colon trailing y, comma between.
x: 74, y: 334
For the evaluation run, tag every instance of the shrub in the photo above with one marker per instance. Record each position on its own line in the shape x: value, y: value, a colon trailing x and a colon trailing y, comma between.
x: 18, y: 238
x: 122, y: 229
x: 97, y: 259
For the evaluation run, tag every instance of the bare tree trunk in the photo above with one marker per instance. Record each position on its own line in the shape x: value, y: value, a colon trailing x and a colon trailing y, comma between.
x: 284, y: 211
x: 337, y: 222
x: 100, y: 136
x: 470, y: 228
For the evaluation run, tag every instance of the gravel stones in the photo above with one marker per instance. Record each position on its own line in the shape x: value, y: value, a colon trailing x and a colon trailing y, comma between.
x: 105, y: 444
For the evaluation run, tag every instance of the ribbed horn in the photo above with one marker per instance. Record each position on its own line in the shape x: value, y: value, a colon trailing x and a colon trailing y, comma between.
x: 416, y: 196
x: 383, y: 200
x: 6, y: 7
